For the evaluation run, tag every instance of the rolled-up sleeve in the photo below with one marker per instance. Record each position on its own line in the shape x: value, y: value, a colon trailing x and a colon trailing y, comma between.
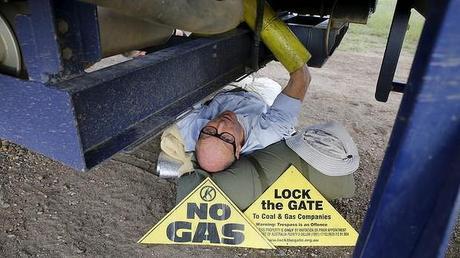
x: 281, y: 117
x: 285, y: 108
x: 274, y: 125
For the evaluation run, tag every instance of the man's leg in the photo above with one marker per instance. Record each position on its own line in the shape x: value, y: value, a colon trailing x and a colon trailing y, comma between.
x: 250, y: 176
x: 276, y: 158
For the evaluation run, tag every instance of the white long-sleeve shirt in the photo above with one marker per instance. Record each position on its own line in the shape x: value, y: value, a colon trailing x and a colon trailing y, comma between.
x: 263, y: 125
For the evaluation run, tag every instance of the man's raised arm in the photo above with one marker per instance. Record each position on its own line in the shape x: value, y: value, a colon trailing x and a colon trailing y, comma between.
x: 298, y: 83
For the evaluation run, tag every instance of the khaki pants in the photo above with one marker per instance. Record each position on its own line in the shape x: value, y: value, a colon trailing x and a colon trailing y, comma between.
x: 251, y: 175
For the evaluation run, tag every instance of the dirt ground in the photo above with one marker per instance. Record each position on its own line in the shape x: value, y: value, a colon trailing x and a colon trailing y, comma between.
x: 47, y: 209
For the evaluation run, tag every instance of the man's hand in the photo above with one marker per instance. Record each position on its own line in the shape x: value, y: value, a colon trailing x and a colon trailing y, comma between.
x: 298, y: 83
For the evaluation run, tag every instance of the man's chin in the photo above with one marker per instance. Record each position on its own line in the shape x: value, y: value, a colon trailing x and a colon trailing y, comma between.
x: 212, y: 170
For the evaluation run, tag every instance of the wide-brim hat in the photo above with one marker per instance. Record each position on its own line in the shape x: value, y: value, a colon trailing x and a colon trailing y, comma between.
x: 326, y: 147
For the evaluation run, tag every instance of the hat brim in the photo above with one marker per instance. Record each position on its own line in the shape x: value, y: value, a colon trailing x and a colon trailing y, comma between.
x: 325, y: 164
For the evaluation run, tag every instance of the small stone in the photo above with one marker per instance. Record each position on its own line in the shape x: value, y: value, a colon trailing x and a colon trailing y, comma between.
x: 4, y: 205
x: 79, y: 249
x: 39, y: 212
x: 281, y: 252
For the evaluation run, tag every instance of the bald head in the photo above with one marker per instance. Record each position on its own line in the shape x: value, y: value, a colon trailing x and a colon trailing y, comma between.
x: 213, y: 154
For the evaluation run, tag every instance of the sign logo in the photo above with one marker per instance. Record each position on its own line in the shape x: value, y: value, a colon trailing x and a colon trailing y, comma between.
x: 206, y: 217
x: 291, y: 212
x: 207, y: 193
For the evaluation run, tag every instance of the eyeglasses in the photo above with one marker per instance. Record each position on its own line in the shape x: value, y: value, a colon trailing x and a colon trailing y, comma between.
x: 226, y: 137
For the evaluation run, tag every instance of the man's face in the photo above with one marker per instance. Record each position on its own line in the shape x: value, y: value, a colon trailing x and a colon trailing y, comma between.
x: 215, y: 153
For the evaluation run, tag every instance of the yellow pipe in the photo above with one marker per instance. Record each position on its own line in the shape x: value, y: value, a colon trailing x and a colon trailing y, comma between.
x: 277, y: 36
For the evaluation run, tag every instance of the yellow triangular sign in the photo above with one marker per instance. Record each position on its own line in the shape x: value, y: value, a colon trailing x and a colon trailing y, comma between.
x: 291, y: 212
x: 206, y: 217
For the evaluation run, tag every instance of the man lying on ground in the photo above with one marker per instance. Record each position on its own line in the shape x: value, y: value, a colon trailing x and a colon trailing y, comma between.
x: 238, y: 123
x: 238, y: 141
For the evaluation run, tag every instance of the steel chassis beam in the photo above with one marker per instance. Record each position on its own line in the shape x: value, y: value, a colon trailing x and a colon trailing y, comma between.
x: 395, y: 42
x: 84, y: 120
x: 50, y: 54
x: 416, y: 201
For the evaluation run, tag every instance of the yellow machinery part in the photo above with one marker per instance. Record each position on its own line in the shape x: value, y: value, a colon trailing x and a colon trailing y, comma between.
x: 277, y: 36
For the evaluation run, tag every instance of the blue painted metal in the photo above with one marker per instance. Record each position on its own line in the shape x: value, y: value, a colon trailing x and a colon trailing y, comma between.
x: 395, y: 42
x: 398, y: 87
x: 36, y: 34
x: 416, y: 198
x: 81, y: 37
x: 118, y: 106
x: 40, y: 118
x: 42, y: 44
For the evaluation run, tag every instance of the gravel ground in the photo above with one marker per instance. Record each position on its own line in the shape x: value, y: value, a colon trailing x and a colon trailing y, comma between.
x: 47, y: 209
